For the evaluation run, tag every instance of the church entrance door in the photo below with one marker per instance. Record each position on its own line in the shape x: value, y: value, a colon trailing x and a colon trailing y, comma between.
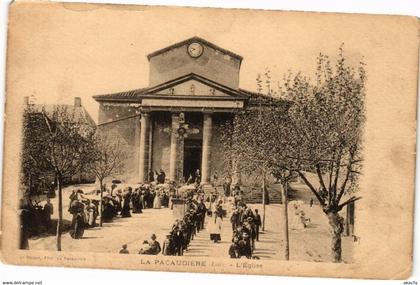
x: 192, y: 157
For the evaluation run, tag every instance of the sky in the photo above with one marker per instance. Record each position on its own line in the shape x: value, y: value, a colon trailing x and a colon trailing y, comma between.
x: 60, y: 51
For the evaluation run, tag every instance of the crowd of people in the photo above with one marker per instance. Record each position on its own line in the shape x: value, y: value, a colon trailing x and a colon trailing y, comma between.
x: 245, y: 227
x: 245, y: 222
x: 182, y: 231
x: 118, y: 201
x: 84, y: 211
x: 122, y: 201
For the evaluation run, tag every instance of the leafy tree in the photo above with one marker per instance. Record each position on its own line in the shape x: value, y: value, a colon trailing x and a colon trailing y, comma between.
x: 318, y: 130
x: 33, y: 160
x: 325, y: 137
x: 246, y: 139
x: 254, y: 140
x: 107, y: 159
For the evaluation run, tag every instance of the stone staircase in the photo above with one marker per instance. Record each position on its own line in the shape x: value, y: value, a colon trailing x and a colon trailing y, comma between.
x: 253, y: 195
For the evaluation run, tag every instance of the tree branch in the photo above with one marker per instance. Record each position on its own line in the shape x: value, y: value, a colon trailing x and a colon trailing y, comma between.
x: 351, y: 200
x: 321, y: 201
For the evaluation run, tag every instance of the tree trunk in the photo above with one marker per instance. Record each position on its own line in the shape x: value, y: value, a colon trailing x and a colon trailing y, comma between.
x: 263, y: 202
x: 60, y: 211
x: 336, y: 223
x: 100, y: 203
x: 285, y: 222
x: 28, y: 193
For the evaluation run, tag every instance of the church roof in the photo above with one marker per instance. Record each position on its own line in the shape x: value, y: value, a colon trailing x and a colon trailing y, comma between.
x: 190, y: 40
x: 138, y: 94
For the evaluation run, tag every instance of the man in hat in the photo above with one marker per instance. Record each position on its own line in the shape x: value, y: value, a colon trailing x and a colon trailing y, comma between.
x: 234, y: 219
x: 178, y: 240
x: 201, y: 214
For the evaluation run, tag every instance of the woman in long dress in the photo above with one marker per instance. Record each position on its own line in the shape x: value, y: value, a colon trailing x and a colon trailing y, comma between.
x: 125, y: 212
x: 78, y: 221
x: 157, y: 203
x: 91, y: 209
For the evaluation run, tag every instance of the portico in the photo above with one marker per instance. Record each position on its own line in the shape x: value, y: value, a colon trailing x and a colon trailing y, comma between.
x: 191, y: 120
x: 175, y: 123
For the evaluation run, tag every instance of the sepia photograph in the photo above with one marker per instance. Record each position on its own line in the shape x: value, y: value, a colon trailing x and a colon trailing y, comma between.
x: 210, y: 140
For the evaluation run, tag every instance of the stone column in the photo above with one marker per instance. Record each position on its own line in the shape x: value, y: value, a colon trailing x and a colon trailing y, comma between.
x: 174, y: 146
x: 150, y: 150
x: 144, y: 146
x: 205, y: 159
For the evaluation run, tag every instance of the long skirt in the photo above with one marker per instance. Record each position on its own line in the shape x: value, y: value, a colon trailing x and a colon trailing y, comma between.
x: 157, y: 204
x: 125, y: 212
x: 78, y: 227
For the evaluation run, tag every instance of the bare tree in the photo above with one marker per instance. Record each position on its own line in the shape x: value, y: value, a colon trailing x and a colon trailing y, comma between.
x: 107, y: 159
x: 66, y: 150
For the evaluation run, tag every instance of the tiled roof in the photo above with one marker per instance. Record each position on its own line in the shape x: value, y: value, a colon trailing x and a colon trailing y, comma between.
x: 130, y: 94
x: 138, y: 94
x: 79, y: 113
x: 135, y: 95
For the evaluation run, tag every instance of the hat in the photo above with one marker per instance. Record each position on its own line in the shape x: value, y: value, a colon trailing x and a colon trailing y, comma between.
x: 153, y: 236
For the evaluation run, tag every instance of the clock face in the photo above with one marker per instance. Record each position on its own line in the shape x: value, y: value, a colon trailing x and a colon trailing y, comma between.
x: 195, y: 49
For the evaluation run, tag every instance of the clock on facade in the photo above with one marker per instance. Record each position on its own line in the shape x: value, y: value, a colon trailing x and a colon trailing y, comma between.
x: 195, y: 49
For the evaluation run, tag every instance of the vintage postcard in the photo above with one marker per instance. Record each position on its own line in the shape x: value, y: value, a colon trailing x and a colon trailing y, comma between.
x: 210, y: 140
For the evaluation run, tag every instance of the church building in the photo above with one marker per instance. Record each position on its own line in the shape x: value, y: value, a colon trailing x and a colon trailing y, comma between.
x: 175, y: 122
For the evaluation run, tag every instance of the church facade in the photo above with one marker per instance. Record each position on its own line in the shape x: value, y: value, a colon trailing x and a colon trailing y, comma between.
x: 175, y: 123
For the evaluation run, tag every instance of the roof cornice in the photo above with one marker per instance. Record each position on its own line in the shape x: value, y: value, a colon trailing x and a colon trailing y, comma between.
x: 190, y: 40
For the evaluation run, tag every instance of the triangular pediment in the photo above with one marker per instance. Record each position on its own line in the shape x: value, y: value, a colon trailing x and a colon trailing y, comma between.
x: 187, y: 86
x: 195, y: 86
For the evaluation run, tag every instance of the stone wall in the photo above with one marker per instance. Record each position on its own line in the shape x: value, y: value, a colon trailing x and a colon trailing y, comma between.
x: 212, y: 64
x: 120, y: 122
x: 161, y: 141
